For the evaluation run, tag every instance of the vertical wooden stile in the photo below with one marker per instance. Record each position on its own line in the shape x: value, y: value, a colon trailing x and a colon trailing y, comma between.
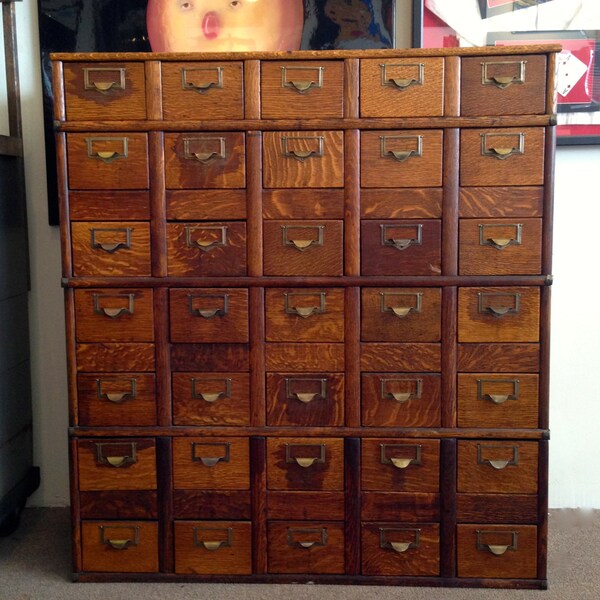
x: 75, y: 511
x: 352, y: 505
x: 166, y: 559
x: 450, y: 202
x: 258, y: 479
x: 547, y: 229
x: 163, y: 358
x: 452, y: 86
x: 257, y: 356
x: 63, y: 198
x: 448, y: 508
x: 71, y: 357
x: 542, y: 545
x: 449, y: 356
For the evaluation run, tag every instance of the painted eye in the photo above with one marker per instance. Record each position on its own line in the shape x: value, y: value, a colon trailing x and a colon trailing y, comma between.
x: 186, y: 6
x: 235, y: 3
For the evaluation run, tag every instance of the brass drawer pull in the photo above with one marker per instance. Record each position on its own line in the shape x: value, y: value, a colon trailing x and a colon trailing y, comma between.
x: 398, y: 154
x: 497, y: 549
x: 116, y: 397
x: 200, y: 149
x: 113, y: 460
x: 209, y: 313
x: 401, y: 397
x: 94, y: 144
x: 201, y: 87
x: 304, y: 311
x: 119, y: 543
x: 103, y: 84
x: 305, y: 461
x: 302, y: 153
x: 111, y: 246
x: 404, y: 242
x: 211, y: 544
x: 500, y: 242
x: 206, y: 244
x: 498, y: 464
x: 503, y: 81
x: 305, y: 537
x: 211, y: 461
x: 305, y: 397
x: 502, y: 152
x: 401, y: 462
x: 497, y: 398
x: 402, y: 83
x: 113, y: 312
x: 305, y: 85
x: 302, y: 244
x: 403, y: 309
x: 391, y: 532
x: 211, y: 396
x: 494, y: 303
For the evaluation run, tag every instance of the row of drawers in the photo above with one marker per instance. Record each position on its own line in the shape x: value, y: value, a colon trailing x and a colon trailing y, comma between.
x: 221, y: 315
x: 305, y: 248
x: 300, y: 159
x: 398, y: 87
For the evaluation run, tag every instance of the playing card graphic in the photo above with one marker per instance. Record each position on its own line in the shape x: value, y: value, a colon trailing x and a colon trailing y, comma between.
x: 570, y: 71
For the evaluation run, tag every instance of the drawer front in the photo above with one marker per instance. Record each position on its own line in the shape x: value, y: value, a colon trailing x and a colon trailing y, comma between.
x: 117, y: 464
x: 211, y: 399
x: 300, y: 159
x: 211, y: 463
x: 401, y: 247
x: 500, y: 247
x: 304, y: 315
x: 401, y: 400
x: 209, y: 315
x: 112, y: 205
x: 402, y: 87
x: 206, y: 249
x: 305, y: 506
x: 304, y: 358
x: 497, y: 551
x: 105, y: 92
x: 499, y: 358
x: 500, y: 467
x: 400, y: 549
x: 119, y: 546
x: 401, y: 314
x: 502, y: 157
x: 492, y: 400
x: 403, y: 158
x: 118, y: 161
x: 111, y: 248
x: 310, y: 464
x: 511, y: 85
x: 400, y: 465
x: 302, y: 89
x: 202, y: 91
x: 109, y: 399
x: 206, y: 205
x: 115, y: 358
x: 213, y: 547
x: 507, y: 314
x: 305, y: 547
x: 114, y: 315
x: 400, y: 507
x: 205, y: 160
x: 501, y: 202
x: 303, y: 248
x: 305, y: 400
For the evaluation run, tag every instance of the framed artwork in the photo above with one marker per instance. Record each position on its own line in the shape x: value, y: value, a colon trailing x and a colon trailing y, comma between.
x: 493, y: 8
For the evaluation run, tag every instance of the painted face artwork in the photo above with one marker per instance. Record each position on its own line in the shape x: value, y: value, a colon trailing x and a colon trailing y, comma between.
x: 224, y: 25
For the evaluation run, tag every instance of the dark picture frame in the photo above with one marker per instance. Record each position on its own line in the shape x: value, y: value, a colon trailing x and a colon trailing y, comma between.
x: 492, y: 8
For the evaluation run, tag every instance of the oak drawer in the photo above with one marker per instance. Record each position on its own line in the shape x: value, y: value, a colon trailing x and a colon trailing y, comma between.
x: 105, y: 91
x: 213, y: 547
x: 115, y: 161
x: 111, y: 248
x: 202, y: 91
x: 118, y: 358
x: 402, y: 87
x: 498, y: 400
x: 119, y: 546
x: 116, y: 464
x: 393, y: 464
x: 206, y: 205
x: 310, y: 464
x: 498, y: 467
x: 206, y: 249
x: 402, y: 158
x: 302, y: 89
x: 401, y: 314
x: 205, y: 160
x: 401, y: 247
x: 211, y: 398
x: 304, y: 315
x: 112, y: 205
x: 401, y: 549
x: 510, y: 202
x: 305, y: 400
x: 211, y: 463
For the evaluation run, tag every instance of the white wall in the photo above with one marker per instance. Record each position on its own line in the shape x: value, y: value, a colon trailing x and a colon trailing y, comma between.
x: 575, y: 382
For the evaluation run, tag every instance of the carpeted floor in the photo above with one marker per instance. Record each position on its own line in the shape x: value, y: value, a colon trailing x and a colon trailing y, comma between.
x: 35, y: 565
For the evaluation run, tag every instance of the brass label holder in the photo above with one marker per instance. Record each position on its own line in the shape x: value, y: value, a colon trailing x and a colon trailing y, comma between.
x: 116, y: 459
x: 191, y: 148
x: 224, y: 533
x: 303, y: 311
x: 497, y: 549
x: 206, y: 245
x: 116, y: 397
x: 113, y: 245
x: 500, y: 242
x: 320, y: 533
x: 120, y: 542
x: 305, y: 461
x: 401, y: 397
x: 401, y: 310
x: 397, y: 154
x: 209, y: 313
x: 401, y: 243
x: 107, y: 156
x: 304, y: 85
x: 498, y: 464
x: 211, y: 461
x: 385, y: 533
x: 503, y: 81
x: 402, y: 83
x: 401, y: 462
x: 302, y: 244
x: 104, y: 87
x: 305, y: 397
x: 204, y: 87
x: 496, y: 309
x: 502, y: 152
x: 113, y: 313
x: 211, y: 396
x: 497, y: 398
x: 298, y: 154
